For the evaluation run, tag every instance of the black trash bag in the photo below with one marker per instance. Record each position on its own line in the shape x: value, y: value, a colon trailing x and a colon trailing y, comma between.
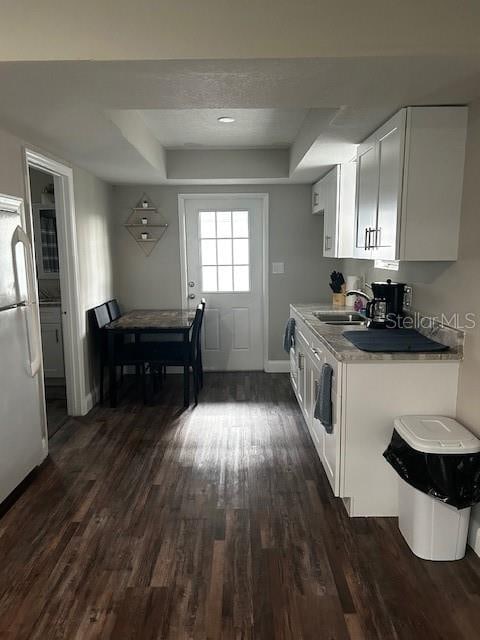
x: 453, y: 479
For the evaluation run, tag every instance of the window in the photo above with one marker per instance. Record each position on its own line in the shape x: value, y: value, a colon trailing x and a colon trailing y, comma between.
x: 225, y: 251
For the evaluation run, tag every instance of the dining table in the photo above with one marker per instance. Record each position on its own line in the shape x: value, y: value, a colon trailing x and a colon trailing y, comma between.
x: 141, y: 322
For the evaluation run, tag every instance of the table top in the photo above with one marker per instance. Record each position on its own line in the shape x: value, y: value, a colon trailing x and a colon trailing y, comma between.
x: 153, y: 320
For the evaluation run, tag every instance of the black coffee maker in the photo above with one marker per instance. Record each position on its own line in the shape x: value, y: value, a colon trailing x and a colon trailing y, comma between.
x: 385, y: 310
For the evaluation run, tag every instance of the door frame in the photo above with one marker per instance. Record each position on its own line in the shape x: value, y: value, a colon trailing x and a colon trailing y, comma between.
x: 73, y: 322
x: 264, y: 198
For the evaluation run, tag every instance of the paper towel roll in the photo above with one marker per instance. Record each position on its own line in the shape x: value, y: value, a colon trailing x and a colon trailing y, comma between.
x: 351, y: 282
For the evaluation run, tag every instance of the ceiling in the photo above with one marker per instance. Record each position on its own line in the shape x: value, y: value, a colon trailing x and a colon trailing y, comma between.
x: 142, y: 122
x: 253, y: 128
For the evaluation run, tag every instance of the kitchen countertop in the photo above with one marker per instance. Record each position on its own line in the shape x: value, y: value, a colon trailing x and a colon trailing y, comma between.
x: 344, y: 351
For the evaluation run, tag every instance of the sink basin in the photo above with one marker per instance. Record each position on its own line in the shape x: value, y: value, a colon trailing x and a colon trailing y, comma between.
x: 340, y: 317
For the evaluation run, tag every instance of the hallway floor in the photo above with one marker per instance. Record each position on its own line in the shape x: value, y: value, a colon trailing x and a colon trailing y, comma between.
x: 213, y: 523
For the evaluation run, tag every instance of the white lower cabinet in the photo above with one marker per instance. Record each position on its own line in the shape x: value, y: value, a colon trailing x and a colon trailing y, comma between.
x: 52, y: 342
x: 367, y: 395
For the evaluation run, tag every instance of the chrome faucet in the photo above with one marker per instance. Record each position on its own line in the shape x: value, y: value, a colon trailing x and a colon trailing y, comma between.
x: 361, y: 294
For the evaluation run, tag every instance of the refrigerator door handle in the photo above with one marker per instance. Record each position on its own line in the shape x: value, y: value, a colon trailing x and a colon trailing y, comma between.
x: 33, y: 329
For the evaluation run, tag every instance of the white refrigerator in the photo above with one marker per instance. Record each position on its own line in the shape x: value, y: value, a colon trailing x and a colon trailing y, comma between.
x: 23, y: 438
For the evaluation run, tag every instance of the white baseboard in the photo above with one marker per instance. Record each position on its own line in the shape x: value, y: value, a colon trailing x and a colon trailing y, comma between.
x: 90, y: 400
x: 474, y: 530
x: 277, y: 366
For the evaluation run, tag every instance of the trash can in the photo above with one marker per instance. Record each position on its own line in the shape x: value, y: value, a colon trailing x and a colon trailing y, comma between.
x: 438, y: 462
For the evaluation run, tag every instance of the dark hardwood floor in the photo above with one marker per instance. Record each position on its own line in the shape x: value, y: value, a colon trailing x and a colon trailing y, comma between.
x: 217, y: 522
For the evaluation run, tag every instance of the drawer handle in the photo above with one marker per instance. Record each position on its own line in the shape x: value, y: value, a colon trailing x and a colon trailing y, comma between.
x: 315, y: 353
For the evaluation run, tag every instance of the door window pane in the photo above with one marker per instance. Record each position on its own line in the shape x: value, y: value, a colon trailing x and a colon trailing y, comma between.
x: 224, y: 224
x: 209, y: 279
x: 241, y: 278
x: 240, y: 224
x: 209, y: 252
x: 240, y: 251
x: 225, y: 280
x: 224, y: 251
x: 207, y: 224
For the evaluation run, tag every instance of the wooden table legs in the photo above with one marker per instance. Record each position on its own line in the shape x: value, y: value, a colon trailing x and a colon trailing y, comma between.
x: 112, y: 374
x: 186, y: 369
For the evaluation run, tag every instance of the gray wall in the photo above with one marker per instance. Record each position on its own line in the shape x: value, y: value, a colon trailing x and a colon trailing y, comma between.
x: 295, y: 237
x: 93, y: 210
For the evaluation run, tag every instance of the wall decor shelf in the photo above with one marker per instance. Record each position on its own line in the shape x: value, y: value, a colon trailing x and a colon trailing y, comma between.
x: 146, y: 221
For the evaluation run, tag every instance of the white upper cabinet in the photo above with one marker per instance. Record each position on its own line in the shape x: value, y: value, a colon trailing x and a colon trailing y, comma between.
x: 336, y: 191
x: 317, y: 204
x: 409, y: 186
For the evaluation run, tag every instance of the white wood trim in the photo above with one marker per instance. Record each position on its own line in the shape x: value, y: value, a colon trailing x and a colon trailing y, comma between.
x: 474, y: 530
x: 73, y: 320
x: 264, y: 197
x: 277, y: 366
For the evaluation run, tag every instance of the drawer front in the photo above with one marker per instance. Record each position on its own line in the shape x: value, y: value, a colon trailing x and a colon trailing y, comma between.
x: 50, y: 314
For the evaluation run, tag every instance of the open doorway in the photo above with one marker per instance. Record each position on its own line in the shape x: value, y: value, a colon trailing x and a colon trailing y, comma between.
x: 44, y: 218
x: 52, y: 215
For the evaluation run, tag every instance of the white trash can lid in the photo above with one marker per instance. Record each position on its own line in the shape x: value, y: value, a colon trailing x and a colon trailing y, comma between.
x: 436, y: 434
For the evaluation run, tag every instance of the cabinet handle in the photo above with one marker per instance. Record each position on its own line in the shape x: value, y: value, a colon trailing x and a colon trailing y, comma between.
x: 366, y: 238
x: 315, y: 199
x: 56, y: 335
x: 300, y: 365
x: 327, y: 244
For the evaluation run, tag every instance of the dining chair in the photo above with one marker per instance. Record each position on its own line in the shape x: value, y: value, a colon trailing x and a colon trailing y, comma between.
x: 125, y: 353
x: 171, y: 354
x: 113, y: 309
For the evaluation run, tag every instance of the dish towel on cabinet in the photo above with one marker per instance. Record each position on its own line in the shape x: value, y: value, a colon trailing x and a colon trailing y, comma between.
x: 323, y: 401
x: 289, y: 337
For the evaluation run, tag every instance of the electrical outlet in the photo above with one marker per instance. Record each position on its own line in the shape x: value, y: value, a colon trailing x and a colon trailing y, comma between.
x: 278, y: 267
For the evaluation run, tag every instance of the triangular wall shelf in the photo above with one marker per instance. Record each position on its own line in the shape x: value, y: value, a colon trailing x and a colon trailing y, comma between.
x: 154, y: 227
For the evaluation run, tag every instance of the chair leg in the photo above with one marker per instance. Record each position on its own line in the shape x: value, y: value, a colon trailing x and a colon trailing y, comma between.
x: 200, y: 369
x: 102, y: 367
x: 196, y: 382
x: 144, y: 384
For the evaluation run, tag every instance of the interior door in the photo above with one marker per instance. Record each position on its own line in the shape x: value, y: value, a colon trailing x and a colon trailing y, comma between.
x: 224, y: 264
x: 367, y: 198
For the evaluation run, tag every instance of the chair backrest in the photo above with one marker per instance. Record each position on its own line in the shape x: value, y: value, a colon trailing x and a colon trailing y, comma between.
x: 101, y: 315
x: 197, y: 326
x: 113, y: 309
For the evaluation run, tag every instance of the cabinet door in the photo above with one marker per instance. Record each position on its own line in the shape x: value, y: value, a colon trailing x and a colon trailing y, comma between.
x: 390, y: 149
x: 52, y: 346
x: 293, y: 369
x: 329, y: 189
x: 367, y: 198
x: 317, y: 432
x: 316, y: 203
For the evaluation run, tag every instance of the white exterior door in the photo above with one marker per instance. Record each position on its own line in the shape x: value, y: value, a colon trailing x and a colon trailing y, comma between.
x: 224, y: 264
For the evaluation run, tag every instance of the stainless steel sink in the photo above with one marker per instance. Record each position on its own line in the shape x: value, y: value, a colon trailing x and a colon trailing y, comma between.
x: 340, y: 317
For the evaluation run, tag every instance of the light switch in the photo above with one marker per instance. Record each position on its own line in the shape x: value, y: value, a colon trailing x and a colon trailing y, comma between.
x: 278, y: 267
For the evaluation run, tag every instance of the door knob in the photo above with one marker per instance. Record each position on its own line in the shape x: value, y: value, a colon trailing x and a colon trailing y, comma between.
x: 191, y: 283
x: 191, y: 296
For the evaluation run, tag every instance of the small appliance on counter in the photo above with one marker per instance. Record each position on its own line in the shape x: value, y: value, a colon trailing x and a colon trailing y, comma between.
x: 385, y: 310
